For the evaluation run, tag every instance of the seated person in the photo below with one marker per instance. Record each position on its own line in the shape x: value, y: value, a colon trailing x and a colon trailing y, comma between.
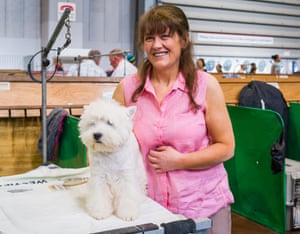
x: 121, y: 66
x: 219, y: 68
x: 243, y: 68
x: 89, y: 66
x: 253, y: 68
x: 275, y: 68
x: 200, y: 64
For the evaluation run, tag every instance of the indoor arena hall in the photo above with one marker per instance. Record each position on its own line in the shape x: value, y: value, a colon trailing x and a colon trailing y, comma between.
x: 98, y: 103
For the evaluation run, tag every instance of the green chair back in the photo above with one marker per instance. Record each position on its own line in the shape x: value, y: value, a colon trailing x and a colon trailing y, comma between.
x: 259, y: 194
x: 293, y: 133
x: 71, y: 151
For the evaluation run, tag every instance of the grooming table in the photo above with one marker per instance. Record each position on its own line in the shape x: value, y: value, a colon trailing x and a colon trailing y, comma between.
x: 45, y: 200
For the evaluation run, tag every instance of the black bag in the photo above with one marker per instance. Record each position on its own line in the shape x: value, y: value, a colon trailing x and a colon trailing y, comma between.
x: 259, y: 94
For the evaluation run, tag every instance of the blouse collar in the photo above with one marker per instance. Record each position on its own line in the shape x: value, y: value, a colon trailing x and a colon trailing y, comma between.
x: 179, y: 83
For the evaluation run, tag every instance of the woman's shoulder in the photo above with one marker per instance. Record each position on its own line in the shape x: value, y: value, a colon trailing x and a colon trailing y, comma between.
x: 204, y: 78
x: 207, y: 83
x: 132, y: 78
x: 129, y: 84
x: 131, y: 81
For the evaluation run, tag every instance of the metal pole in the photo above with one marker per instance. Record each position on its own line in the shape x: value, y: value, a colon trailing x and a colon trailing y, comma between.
x: 45, y: 63
x: 44, y: 107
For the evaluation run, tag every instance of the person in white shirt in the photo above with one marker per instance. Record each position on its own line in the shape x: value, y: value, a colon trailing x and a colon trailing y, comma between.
x: 243, y: 68
x: 88, y: 67
x: 121, y: 66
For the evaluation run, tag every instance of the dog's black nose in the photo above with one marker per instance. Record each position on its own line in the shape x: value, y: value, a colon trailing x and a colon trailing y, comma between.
x: 97, y: 136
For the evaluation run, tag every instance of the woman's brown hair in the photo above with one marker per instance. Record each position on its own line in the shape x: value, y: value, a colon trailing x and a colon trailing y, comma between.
x: 157, y: 21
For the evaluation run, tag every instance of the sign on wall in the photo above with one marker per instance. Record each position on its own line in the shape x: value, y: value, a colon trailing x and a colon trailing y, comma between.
x: 236, y: 39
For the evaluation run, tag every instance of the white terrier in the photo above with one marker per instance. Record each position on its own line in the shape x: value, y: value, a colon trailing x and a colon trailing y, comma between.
x: 118, y: 180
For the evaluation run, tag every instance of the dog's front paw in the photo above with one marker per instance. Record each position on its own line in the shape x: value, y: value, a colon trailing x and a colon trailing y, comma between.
x: 127, y: 215
x: 99, y: 215
x: 100, y: 210
x: 127, y: 211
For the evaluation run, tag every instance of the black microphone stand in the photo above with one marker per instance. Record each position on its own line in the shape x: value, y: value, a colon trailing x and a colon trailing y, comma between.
x: 45, y: 63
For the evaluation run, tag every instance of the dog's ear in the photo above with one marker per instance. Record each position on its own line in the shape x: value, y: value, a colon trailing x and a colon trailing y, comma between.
x: 131, y: 111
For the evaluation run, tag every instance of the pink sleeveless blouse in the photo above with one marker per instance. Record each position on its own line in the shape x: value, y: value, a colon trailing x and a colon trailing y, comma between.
x: 192, y: 193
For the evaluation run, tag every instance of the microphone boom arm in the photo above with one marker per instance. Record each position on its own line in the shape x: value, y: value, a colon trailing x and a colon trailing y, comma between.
x: 56, y: 32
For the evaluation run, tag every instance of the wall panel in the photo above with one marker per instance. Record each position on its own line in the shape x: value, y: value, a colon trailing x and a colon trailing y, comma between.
x: 26, y: 25
x: 258, y: 29
x: 97, y: 20
x: 109, y: 24
x: 15, y: 18
x: 32, y: 19
x: 2, y: 18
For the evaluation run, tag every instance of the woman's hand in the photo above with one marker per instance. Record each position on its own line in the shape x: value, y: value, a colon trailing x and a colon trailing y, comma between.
x: 164, y: 158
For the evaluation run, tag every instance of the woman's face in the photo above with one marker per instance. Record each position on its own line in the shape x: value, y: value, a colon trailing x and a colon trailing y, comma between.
x: 163, y: 50
x: 278, y: 59
x: 200, y: 64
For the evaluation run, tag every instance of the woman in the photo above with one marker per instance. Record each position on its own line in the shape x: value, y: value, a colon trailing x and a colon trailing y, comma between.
x: 200, y: 64
x: 253, y: 68
x: 275, y: 68
x: 181, y: 123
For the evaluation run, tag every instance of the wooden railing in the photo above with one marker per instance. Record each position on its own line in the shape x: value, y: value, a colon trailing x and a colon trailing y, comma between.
x: 20, y: 108
x: 288, y: 84
x: 22, y: 97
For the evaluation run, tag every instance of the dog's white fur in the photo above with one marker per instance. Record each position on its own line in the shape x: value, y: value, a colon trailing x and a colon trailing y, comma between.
x: 117, y: 181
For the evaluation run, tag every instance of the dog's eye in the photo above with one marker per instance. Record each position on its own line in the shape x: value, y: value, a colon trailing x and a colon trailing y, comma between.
x: 109, y: 123
x: 91, y: 123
